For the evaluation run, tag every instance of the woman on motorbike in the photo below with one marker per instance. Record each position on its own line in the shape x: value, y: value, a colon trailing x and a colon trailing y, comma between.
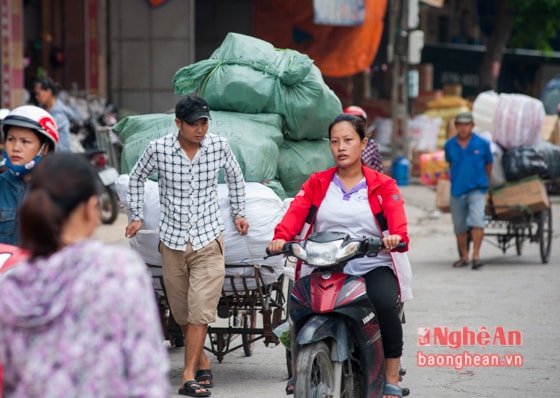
x: 78, y: 318
x: 356, y: 199
x: 29, y: 133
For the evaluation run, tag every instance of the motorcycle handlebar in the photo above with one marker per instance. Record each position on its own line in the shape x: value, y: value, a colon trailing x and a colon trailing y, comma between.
x: 285, y: 249
x: 288, y: 246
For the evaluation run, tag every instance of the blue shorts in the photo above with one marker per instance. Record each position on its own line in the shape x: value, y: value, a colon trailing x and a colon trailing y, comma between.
x: 467, y: 210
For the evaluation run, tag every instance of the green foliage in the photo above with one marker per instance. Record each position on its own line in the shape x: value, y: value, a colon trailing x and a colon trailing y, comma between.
x: 536, y: 23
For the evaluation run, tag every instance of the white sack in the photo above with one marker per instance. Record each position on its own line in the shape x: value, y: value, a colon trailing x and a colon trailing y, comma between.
x: 263, y: 210
x: 518, y: 120
x: 423, y: 132
x: 497, y: 177
x: 484, y: 109
x: 146, y: 240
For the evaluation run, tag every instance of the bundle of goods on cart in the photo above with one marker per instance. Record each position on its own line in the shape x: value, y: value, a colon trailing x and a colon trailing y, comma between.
x: 272, y: 105
x: 263, y: 209
x: 524, y: 143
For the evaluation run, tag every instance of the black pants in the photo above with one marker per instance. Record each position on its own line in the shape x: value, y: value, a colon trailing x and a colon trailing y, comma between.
x: 383, y: 291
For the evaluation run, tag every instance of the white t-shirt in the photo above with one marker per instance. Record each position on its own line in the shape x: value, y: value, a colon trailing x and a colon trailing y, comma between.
x: 350, y: 212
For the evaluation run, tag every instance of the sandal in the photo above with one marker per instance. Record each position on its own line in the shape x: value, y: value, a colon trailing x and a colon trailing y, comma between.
x: 393, y: 389
x: 192, y: 389
x: 460, y: 263
x: 476, y: 264
x: 290, y: 386
x: 204, y: 378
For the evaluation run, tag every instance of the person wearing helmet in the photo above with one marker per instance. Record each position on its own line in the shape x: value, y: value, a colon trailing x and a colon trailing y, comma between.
x: 29, y: 133
x: 371, y: 156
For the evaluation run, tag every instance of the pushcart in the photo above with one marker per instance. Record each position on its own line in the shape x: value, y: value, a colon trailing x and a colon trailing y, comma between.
x: 245, y: 295
x: 515, y: 225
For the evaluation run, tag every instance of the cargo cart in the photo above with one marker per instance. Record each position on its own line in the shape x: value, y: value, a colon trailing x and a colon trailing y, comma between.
x: 519, y: 213
x: 251, y: 305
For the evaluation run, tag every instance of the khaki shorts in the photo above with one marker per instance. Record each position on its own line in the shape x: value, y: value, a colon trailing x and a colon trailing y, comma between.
x: 193, y: 281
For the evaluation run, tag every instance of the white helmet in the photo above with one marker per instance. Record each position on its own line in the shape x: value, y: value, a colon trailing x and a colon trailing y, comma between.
x: 3, y: 113
x: 34, y: 118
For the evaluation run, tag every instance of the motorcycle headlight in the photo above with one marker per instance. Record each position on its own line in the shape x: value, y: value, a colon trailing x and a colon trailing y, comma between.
x: 325, y: 253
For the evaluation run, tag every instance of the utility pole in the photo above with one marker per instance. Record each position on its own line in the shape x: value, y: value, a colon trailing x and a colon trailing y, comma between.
x: 398, y: 58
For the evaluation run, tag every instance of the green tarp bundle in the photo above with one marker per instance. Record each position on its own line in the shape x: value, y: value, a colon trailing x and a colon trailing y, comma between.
x: 249, y: 75
x: 254, y: 139
x: 299, y: 159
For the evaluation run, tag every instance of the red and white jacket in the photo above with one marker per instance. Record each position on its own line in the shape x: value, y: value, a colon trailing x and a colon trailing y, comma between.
x: 387, y: 207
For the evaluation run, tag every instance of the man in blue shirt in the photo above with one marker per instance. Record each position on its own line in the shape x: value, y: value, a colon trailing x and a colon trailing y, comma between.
x: 470, y: 162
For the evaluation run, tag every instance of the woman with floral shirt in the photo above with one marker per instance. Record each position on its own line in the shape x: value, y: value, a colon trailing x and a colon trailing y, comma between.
x: 78, y: 318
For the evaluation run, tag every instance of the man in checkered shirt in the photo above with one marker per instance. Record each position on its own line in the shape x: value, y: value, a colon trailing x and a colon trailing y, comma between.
x: 191, y: 244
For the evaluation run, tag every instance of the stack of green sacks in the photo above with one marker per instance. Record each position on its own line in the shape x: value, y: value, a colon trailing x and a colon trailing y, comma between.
x: 273, y: 106
x: 254, y: 139
x: 249, y: 75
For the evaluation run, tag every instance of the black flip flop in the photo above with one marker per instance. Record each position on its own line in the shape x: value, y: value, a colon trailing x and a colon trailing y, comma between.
x: 204, y: 378
x: 290, y: 386
x: 476, y: 264
x: 190, y: 389
x: 460, y: 263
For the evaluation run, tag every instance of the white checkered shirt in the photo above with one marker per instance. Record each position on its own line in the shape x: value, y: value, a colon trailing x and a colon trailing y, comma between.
x: 188, y: 189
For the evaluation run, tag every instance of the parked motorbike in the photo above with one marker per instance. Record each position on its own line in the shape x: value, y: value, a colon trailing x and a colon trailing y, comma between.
x: 337, y: 349
x: 108, y: 201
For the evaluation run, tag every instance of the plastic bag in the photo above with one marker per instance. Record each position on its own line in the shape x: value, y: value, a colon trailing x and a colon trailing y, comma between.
x: 299, y: 159
x: 249, y: 75
x: 253, y: 138
x: 523, y: 161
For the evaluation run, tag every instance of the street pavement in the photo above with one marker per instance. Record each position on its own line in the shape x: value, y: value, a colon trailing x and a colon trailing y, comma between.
x: 510, y: 297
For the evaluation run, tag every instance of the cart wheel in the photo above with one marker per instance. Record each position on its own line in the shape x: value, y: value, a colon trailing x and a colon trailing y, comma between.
x: 220, y: 343
x: 249, y: 322
x: 545, y: 234
x: 519, y: 241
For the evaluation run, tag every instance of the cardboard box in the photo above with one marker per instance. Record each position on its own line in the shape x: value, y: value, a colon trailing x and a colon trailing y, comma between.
x: 453, y: 89
x: 512, y: 199
x: 433, y: 167
x: 550, y: 129
x: 443, y: 193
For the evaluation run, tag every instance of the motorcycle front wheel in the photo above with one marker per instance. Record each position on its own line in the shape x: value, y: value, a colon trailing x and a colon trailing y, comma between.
x: 315, y: 371
x: 108, y: 205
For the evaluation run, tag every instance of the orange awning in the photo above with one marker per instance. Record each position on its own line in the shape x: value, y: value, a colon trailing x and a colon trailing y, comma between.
x: 337, y: 51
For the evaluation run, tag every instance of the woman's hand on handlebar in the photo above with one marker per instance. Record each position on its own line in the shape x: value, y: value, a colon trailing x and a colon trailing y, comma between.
x: 276, y: 246
x: 390, y: 242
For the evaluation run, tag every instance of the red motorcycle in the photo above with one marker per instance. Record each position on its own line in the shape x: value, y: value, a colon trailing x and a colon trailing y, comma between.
x: 336, y: 339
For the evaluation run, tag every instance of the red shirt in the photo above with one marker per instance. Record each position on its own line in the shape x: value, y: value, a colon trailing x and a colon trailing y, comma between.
x: 384, y: 198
